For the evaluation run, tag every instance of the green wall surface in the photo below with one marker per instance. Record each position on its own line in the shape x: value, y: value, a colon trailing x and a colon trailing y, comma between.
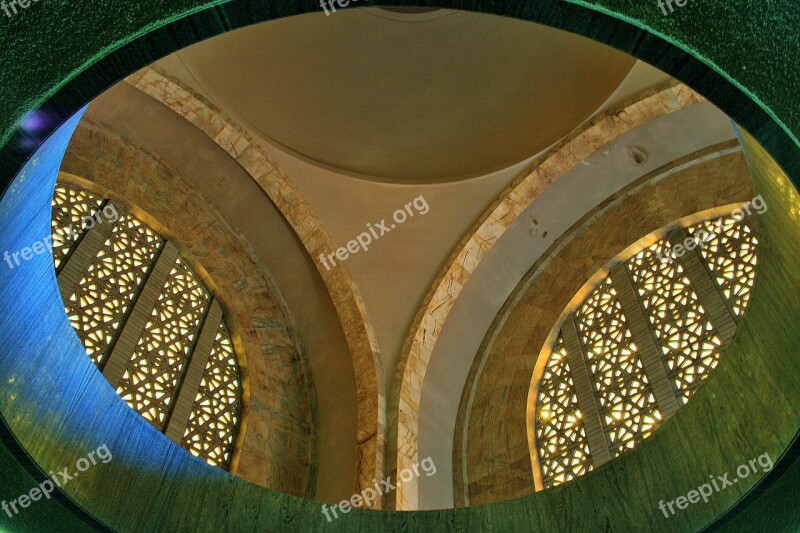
x: 773, y: 507
x: 55, y: 406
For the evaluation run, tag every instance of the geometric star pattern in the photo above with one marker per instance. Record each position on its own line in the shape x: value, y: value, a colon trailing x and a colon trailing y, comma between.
x: 561, y: 437
x: 687, y: 339
x: 71, y: 206
x: 687, y: 342
x: 731, y: 258
x: 628, y: 406
x: 212, y: 426
x: 111, y: 282
x: 100, y: 306
x: 151, y: 379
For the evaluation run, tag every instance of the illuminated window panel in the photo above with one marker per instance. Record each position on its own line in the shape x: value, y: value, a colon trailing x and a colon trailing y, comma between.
x: 626, y: 399
x: 684, y: 335
x: 560, y: 435
x: 679, y: 323
x: 151, y: 378
x: 107, y: 289
x: 731, y: 257
x: 71, y: 206
x: 104, y: 298
x: 211, y: 430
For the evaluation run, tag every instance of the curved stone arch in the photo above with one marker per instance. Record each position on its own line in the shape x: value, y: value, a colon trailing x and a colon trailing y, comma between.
x: 83, y: 41
x: 542, y: 358
x: 607, y: 232
x: 102, y: 161
x: 358, y: 329
x: 403, y: 436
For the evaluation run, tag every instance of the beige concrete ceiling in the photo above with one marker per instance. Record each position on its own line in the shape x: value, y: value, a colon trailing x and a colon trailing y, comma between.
x: 364, y: 110
x: 406, y: 98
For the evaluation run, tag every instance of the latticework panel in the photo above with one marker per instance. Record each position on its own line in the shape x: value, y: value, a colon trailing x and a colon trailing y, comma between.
x: 560, y: 436
x: 681, y: 326
x: 214, y: 420
x: 628, y: 405
x: 109, y: 285
x: 71, y: 206
x: 149, y: 382
x: 730, y: 253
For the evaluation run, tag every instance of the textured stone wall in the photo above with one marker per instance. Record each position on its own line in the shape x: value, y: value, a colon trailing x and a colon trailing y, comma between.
x: 344, y: 293
x: 276, y: 447
x: 497, y: 219
x: 493, y: 418
x: 63, y: 55
x: 773, y: 506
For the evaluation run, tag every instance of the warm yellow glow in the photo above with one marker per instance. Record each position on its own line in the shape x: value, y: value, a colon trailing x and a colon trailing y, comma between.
x: 731, y: 257
x: 71, y: 206
x: 152, y: 374
x: 563, y: 447
x: 107, y: 289
x: 683, y: 331
x: 626, y: 398
x: 99, y: 305
x: 215, y: 416
x: 689, y: 346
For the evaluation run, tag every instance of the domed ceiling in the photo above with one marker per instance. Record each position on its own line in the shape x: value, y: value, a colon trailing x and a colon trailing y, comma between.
x: 414, y: 97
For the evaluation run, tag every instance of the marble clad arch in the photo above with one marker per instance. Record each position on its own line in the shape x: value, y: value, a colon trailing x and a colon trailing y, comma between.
x: 346, y: 297
x: 493, y: 436
x: 404, y: 405
x: 278, y: 403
